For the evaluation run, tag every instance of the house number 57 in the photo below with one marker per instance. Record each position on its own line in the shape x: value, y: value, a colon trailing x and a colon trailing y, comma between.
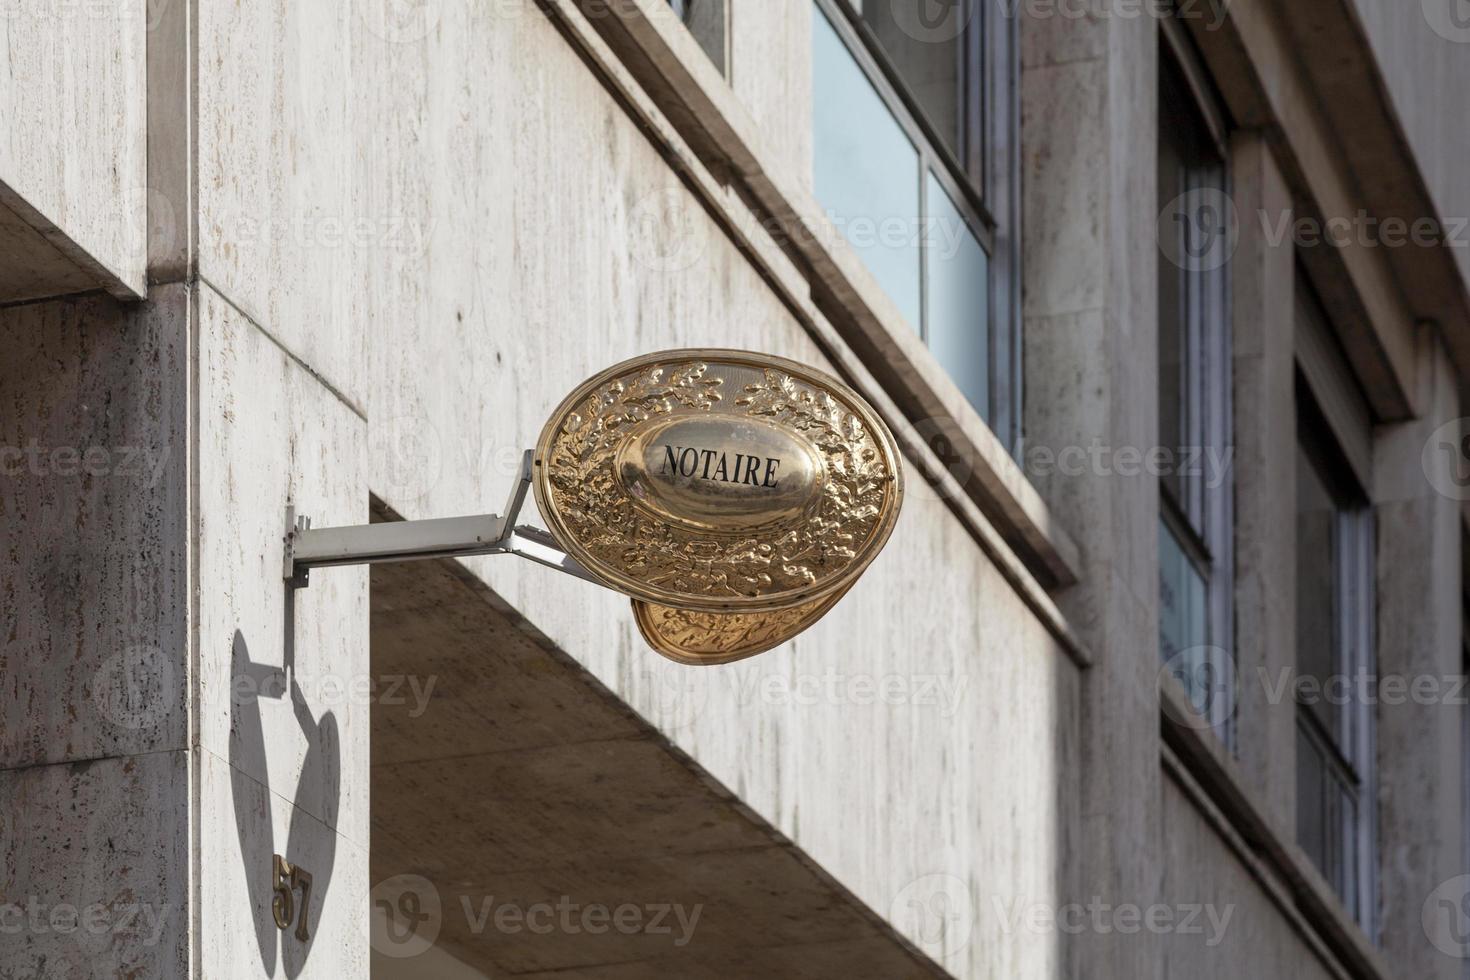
x: 286, y: 879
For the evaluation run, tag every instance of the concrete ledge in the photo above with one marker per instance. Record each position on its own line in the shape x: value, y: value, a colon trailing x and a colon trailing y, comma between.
x: 1341, y: 151
x: 39, y: 261
x: 1199, y: 763
x: 1355, y: 97
x: 520, y: 779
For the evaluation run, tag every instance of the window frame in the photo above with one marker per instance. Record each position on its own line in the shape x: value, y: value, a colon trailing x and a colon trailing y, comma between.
x: 694, y: 15
x: 1353, y: 873
x: 982, y: 181
x: 1203, y: 525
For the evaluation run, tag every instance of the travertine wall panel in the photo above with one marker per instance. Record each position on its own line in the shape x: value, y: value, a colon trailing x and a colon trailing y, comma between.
x: 1238, y: 931
x: 770, y: 71
x: 238, y: 935
x: 284, y: 682
x: 73, y: 139
x: 281, y: 672
x: 93, y: 551
x: 94, y: 860
x: 1423, y: 51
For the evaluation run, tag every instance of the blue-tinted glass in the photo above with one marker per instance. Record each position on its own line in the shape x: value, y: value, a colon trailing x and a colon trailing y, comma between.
x: 866, y: 170
x: 959, y: 300
x: 1181, y: 598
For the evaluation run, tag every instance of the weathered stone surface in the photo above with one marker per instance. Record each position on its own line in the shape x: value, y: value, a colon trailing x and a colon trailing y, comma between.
x: 245, y: 823
x: 1238, y: 930
x: 1089, y: 97
x: 284, y: 691
x: 93, y: 529
x: 36, y: 262
x: 73, y: 147
x: 95, y: 874
x: 1263, y: 283
x: 1420, y: 745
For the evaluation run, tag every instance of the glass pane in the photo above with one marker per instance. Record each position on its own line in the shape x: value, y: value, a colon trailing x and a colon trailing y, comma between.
x: 1191, y: 295
x: 706, y: 21
x: 1317, y: 638
x: 866, y: 171
x: 1173, y: 317
x: 1349, y: 879
x: 1181, y: 598
x: 1311, y: 830
x: 959, y: 300
x: 925, y: 41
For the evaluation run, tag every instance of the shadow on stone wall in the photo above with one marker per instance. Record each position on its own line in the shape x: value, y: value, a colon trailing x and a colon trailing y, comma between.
x: 310, y: 842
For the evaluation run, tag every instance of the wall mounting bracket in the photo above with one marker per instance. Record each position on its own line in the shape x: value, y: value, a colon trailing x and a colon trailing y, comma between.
x: 449, y: 537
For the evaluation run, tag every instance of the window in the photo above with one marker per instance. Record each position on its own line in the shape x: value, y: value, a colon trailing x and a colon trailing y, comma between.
x: 1195, y: 526
x: 914, y: 149
x: 706, y: 21
x: 1335, y: 665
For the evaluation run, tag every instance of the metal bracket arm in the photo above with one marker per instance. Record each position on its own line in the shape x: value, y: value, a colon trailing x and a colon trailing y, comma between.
x: 449, y: 537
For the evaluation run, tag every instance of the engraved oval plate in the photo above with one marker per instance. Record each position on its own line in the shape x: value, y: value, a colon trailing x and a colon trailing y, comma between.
x: 720, y: 472
x: 706, y: 639
x: 809, y: 492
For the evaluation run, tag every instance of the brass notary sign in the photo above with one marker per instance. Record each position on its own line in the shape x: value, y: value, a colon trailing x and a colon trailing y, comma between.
x: 734, y: 496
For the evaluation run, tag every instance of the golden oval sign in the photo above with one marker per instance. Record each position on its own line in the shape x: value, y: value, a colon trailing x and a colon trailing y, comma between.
x: 718, y: 481
x: 706, y: 639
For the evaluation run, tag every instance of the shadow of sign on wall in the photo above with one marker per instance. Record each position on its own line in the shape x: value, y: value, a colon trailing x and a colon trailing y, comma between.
x: 311, y: 841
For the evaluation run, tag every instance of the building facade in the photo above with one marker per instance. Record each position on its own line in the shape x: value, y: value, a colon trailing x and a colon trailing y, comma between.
x: 1161, y: 674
